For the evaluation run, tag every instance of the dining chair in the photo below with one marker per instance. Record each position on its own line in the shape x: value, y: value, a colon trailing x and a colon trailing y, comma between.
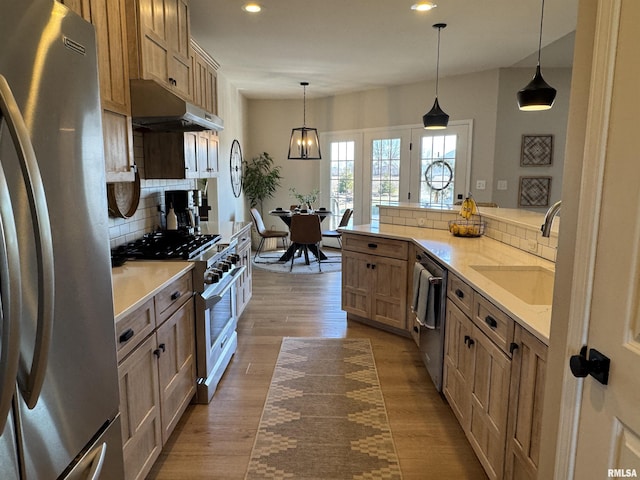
x: 264, y: 233
x: 305, y: 232
x: 346, y: 216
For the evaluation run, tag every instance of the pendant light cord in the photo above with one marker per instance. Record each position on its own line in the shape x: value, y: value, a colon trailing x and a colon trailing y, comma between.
x: 304, y: 105
x: 438, y: 62
x: 540, y: 39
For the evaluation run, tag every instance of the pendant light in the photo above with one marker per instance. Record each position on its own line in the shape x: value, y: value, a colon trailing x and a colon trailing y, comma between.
x: 436, y: 119
x: 304, y: 144
x: 538, y: 94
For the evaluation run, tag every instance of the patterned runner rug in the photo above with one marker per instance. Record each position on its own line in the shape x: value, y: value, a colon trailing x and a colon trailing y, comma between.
x: 324, y: 417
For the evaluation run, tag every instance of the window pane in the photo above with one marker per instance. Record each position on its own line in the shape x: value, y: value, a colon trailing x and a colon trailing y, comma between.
x: 437, y: 167
x: 385, y: 173
x: 342, y: 173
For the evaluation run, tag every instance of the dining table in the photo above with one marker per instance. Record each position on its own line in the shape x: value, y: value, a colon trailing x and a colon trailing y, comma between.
x: 285, y: 216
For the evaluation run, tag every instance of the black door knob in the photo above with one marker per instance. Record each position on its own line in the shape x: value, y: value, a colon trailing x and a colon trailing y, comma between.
x: 597, y: 365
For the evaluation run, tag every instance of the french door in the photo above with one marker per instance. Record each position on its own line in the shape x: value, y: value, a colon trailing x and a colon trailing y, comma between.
x: 372, y: 167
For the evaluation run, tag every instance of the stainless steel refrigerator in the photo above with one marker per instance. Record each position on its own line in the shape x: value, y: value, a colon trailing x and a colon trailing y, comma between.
x: 58, y: 372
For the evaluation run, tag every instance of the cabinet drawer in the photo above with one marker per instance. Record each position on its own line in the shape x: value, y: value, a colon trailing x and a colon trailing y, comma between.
x: 169, y: 299
x: 134, y: 328
x: 384, y: 247
x: 493, y: 322
x: 460, y: 293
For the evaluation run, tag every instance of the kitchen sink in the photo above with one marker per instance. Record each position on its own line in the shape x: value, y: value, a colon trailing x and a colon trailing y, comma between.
x: 531, y: 284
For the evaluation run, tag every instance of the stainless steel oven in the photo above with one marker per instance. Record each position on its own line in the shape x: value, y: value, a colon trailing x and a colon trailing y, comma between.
x: 216, y: 336
x: 429, y: 336
x: 216, y: 315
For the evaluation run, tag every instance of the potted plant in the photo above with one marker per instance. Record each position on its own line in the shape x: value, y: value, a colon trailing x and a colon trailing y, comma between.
x: 305, y: 200
x: 260, y: 179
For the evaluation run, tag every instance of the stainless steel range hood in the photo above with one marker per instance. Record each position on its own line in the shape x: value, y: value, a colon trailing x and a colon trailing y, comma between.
x: 153, y: 107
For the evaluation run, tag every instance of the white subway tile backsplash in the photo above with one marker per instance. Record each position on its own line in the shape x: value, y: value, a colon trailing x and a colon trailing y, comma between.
x: 147, y: 218
x: 518, y: 236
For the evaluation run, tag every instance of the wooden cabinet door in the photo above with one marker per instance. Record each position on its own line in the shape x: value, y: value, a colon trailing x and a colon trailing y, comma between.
x: 176, y: 366
x: 81, y: 7
x: 489, y: 403
x: 207, y: 154
x: 140, y: 410
x: 108, y: 18
x: 388, y: 291
x: 528, y: 371
x: 178, y: 37
x: 356, y: 283
x: 458, y: 363
x: 154, y: 42
x: 245, y: 287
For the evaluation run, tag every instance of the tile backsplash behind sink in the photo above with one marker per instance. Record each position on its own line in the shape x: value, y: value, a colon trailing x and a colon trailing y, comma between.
x: 147, y: 217
x: 518, y: 228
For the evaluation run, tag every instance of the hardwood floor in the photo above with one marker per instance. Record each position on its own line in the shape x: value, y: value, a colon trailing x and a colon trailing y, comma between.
x: 214, y: 441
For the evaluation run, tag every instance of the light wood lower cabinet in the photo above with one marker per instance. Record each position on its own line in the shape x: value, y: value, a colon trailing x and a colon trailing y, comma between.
x: 374, y: 279
x: 493, y: 380
x: 157, y: 376
x: 525, y: 406
x: 244, y: 288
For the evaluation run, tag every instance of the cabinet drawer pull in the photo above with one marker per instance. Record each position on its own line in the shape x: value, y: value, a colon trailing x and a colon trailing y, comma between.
x: 491, y: 321
x: 471, y: 342
x: 176, y: 295
x: 126, y: 335
x: 373, y: 245
x: 466, y: 339
x: 368, y: 265
x: 373, y: 266
x: 513, y: 347
x: 156, y: 352
x: 459, y: 293
x: 163, y: 347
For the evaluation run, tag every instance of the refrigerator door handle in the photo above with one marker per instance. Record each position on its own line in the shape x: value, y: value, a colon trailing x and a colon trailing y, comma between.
x: 11, y: 298
x: 97, y: 463
x: 30, y: 382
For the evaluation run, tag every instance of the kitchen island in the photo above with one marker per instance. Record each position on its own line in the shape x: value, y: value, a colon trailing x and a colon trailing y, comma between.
x: 494, y: 339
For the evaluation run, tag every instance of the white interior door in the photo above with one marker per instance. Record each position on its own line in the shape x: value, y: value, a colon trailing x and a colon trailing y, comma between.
x: 608, y: 430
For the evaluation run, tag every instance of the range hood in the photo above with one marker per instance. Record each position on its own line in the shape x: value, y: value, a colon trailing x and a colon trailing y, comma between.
x: 153, y: 107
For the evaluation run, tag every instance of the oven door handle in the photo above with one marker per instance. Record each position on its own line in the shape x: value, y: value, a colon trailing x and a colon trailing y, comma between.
x: 214, y: 293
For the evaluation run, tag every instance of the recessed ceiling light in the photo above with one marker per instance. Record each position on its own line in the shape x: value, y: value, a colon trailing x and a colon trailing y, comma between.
x: 252, y: 7
x: 423, y: 6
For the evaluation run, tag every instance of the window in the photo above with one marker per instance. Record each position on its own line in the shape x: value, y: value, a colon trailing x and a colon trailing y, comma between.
x: 385, y: 173
x: 342, y: 176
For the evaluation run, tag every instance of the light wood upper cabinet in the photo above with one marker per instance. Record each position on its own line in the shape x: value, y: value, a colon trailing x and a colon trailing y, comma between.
x: 205, y: 89
x: 159, y: 48
x: 108, y: 18
x: 374, y: 279
x: 174, y: 155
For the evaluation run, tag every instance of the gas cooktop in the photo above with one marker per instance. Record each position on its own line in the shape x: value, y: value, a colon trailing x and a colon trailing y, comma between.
x: 164, y: 246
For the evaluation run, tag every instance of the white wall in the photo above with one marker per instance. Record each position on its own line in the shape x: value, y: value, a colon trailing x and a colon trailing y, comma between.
x: 488, y: 98
x: 232, y: 108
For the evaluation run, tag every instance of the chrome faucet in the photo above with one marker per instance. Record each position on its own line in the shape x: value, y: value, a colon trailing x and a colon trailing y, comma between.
x: 548, y: 218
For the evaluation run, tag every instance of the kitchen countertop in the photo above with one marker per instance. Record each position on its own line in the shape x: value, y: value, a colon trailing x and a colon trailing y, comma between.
x: 138, y: 280
x: 459, y: 253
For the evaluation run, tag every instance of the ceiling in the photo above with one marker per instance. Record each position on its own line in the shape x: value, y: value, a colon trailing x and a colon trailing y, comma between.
x: 342, y: 46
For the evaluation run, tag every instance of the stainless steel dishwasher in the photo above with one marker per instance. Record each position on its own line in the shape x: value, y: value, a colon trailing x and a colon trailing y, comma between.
x: 430, y: 341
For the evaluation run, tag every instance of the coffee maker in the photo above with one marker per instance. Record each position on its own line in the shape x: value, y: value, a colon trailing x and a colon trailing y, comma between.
x: 183, y: 206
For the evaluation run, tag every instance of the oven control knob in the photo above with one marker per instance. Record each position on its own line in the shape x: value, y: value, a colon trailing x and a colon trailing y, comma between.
x: 234, y: 258
x: 224, y: 266
x: 211, y: 277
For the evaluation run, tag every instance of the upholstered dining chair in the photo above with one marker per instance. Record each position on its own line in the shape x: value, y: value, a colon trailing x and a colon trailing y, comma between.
x: 305, y: 232
x: 264, y: 233
x: 344, y: 221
